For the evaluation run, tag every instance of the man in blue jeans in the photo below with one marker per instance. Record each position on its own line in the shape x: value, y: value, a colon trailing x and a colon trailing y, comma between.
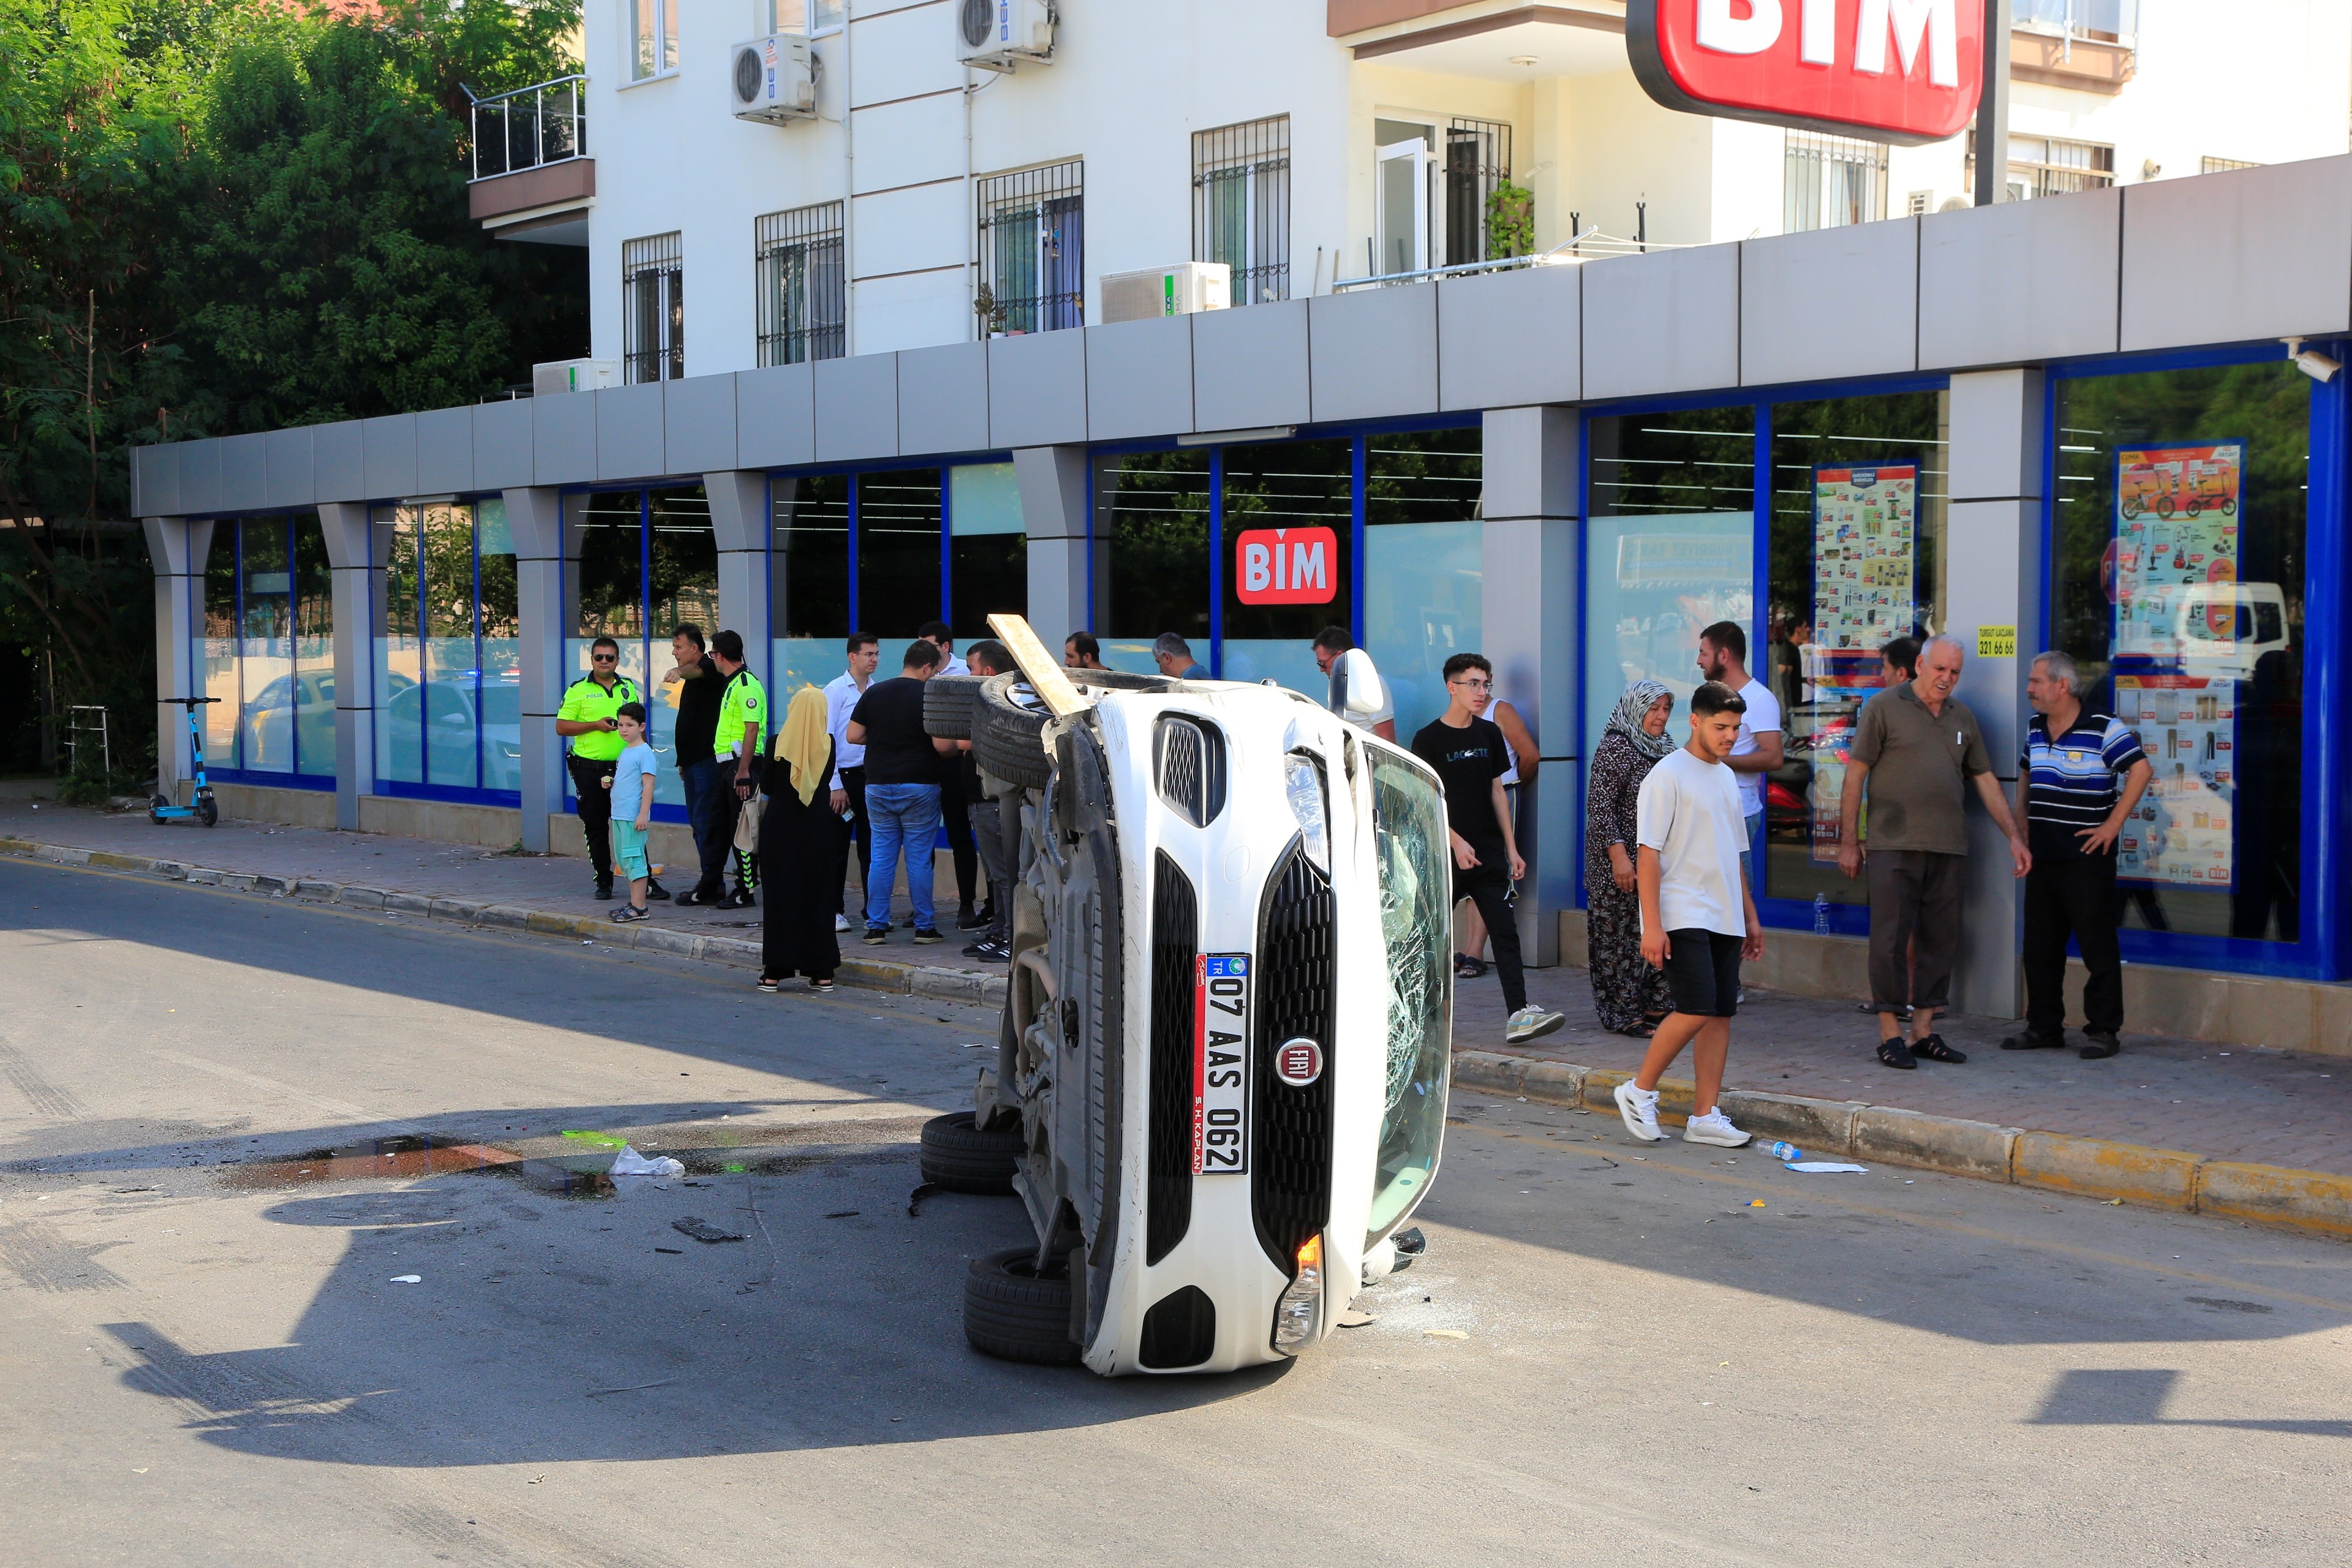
x: 903, y: 775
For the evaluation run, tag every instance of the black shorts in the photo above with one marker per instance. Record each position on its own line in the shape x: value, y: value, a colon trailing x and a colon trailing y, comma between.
x: 1703, y: 972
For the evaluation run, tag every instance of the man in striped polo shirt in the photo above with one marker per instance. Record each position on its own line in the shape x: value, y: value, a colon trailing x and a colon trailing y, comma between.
x: 2080, y: 777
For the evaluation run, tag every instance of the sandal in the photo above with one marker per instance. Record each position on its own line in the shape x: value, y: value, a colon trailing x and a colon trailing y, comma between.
x: 1933, y: 1050
x: 1640, y: 1031
x: 768, y: 984
x: 820, y: 985
x: 1468, y: 968
x: 1895, y: 1054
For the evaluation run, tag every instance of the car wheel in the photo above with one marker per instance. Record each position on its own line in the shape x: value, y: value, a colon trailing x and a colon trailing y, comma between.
x: 959, y: 1156
x: 947, y: 706
x: 1015, y: 1313
x: 1008, y: 740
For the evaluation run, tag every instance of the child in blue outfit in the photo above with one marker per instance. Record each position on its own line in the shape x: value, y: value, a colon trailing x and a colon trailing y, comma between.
x: 632, y: 784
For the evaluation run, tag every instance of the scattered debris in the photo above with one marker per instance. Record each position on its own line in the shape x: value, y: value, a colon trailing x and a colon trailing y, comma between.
x: 407, y: 1279
x: 1446, y: 1333
x: 703, y: 1230
x: 629, y: 1162
x: 915, y: 1199
x: 1352, y: 1319
x: 1825, y: 1167
x: 842, y: 1214
x: 632, y: 1388
x: 1756, y: 1202
x: 673, y: 1252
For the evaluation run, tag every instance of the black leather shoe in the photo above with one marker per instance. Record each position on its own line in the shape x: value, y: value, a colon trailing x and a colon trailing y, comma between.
x: 971, y: 918
x: 2030, y: 1041
x: 656, y: 891
x: 604, y: 890
x: 692, y: 897
x: 740, y: 898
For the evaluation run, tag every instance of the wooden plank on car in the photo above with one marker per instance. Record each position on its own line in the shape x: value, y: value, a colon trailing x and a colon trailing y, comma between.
x: 1037, y: 667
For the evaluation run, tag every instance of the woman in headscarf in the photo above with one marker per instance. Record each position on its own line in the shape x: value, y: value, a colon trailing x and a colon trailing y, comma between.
x: 800, y: 850
x: 1631, y: 996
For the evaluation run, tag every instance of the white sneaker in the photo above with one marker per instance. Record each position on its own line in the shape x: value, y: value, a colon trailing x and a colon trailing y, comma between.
x: 1715, y: 1128
x: 1639, y: 1107
x: 1529, y: 1022
x: 841, y: 922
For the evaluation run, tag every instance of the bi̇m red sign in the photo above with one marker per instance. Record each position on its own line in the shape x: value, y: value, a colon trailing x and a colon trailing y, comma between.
x: 1907, y: 72
x: 1287, y: 567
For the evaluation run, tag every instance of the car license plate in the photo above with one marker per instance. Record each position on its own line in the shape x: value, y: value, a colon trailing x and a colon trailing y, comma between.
x: 1221, y: 1004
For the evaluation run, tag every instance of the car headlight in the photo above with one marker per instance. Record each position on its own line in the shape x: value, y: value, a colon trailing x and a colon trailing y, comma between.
x: 1302, y: 784
x: 1300, y: 1310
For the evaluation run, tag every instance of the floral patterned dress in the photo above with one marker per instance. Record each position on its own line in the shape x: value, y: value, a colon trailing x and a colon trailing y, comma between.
x: 1626, y: 990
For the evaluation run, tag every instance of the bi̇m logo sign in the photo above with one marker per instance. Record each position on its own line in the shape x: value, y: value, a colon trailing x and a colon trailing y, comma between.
x: 1287, y: 567
x: 1905, y: 71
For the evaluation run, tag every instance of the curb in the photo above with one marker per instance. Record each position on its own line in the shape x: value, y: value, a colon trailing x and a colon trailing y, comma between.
x: 2314, y: 1201
x: 870, y: 973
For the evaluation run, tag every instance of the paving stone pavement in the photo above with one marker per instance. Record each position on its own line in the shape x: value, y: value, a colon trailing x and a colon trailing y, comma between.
x: 2279, y: 1108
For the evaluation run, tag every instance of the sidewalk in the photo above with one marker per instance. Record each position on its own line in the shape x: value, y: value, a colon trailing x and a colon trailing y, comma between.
x: 2271, y: 1107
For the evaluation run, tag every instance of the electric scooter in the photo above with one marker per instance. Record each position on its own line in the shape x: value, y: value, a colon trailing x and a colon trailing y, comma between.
x: 202, y: 807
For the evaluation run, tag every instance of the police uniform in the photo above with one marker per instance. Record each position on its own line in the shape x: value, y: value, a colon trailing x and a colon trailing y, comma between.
x: 593, y: 754
x: 743, y: 701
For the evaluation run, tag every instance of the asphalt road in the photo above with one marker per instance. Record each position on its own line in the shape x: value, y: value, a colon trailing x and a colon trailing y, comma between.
x: 204, y: 1357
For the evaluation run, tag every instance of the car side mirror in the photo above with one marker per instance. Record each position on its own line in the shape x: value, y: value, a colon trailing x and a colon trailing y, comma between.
x: 1357, y: 690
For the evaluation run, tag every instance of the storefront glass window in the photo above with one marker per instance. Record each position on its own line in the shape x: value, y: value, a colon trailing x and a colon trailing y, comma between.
x: 897, y: 556
x: 2177, y: 582
x: 448, y: 699
x: 1421, y: 564
x: 1857, y: 560
x: 1669, y: 549
x: 1289, y: 518
x: 266, y: 651
x: 988, y: 548
x: 645, y: 561
x: 808, y: 579
x: 1151, y: 554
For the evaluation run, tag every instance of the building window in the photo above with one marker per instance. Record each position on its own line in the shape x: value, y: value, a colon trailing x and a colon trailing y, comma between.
x: 645, y: 561
x: 1423, y: 574
x: 808, y: 579
x: 447, y: 648
x: 2223, y: 165
x: 988, y: 547
x: 1831, y: 180
x: 653, y: 309
x: 800, y: 292
x: 808, y: 17
x: 266, y: 649
x: 1151, y: 563
x: 1477, y: 163
x: 652, y: 38
x: 2050, y: 166
x: 1240, y: 206
x: 1287, y: 555
x: 1033, y: 250
x: 2179, y: 573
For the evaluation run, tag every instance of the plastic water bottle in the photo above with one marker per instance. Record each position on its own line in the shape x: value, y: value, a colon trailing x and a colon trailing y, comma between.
x: 1787, y: 1153
x: 1821, y: 914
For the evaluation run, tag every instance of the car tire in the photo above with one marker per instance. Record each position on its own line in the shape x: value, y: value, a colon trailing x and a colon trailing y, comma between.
x: 947, y: 706
x: 959, y: 1155
x: 1014, y: 1313
x: 1008, y: 741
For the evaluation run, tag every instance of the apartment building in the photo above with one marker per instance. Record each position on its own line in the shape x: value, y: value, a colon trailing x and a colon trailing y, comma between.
x: 1301, y: 144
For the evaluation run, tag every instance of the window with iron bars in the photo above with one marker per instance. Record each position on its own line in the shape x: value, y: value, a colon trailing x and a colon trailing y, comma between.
x: 2223, y: 165
x: 1240, y: 206
x: 2050, y: 166
x: 653, y: 309
x: 1033, y: 249
x: 802, y: 296
x: 1477, y: 161
x: 1831, y: 180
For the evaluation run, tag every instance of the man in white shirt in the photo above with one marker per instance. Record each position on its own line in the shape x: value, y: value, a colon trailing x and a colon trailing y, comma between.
x: 1723, y: 659
x: 941, y: 636
x: 1698, y: 917
x: 1329, y: 644
x: 841, y: 695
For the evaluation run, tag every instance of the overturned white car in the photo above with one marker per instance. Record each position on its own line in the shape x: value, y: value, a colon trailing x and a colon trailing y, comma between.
x: 1221, y: 1078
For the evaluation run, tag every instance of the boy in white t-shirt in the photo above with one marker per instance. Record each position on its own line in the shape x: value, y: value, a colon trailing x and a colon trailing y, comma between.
x: 1698, y: 916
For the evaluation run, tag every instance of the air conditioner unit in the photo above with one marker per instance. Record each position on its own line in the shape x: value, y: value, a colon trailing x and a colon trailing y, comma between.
x: 573, y: 375
x: 773, y: 80
x: 1177, y: 291
x: 997, y: 35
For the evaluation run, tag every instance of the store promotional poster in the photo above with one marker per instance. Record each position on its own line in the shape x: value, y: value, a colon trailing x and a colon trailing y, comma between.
x: 1865, y: 567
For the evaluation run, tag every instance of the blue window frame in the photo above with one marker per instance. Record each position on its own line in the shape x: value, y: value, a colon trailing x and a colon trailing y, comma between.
x: 445, y: 653
x: 266, y: 649
x: 2240, y: 665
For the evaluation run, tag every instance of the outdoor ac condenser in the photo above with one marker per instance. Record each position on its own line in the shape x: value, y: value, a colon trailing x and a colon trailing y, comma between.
x: 1177, y: 291
x: 998, y: 35
x: 773, y: 80
x: 573, y: 375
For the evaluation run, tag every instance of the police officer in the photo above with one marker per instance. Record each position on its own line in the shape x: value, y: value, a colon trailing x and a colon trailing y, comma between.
x: 742, y: 725
x: 586, y: 719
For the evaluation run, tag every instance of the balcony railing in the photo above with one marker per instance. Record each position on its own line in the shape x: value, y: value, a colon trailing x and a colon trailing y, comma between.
x: 530, y: 127
x: 2110, y: 21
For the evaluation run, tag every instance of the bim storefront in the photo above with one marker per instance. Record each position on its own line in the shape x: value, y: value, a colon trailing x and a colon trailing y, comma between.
x: 2055, y: 423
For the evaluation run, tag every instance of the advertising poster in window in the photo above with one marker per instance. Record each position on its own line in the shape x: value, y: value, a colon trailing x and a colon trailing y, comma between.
x: 2180, y: 831
x: 2176, y: 549
x: 1865, y: 562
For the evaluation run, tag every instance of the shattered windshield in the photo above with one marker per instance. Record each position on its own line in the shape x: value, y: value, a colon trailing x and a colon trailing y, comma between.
x: 1409, y: 827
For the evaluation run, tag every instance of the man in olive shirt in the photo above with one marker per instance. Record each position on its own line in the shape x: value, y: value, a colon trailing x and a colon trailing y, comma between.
x: 587, y: 720
x: 1919, y: 750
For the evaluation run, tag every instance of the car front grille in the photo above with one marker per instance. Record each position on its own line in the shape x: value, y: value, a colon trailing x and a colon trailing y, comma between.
x: 1175, y: 949
x: 1290, y: 1194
